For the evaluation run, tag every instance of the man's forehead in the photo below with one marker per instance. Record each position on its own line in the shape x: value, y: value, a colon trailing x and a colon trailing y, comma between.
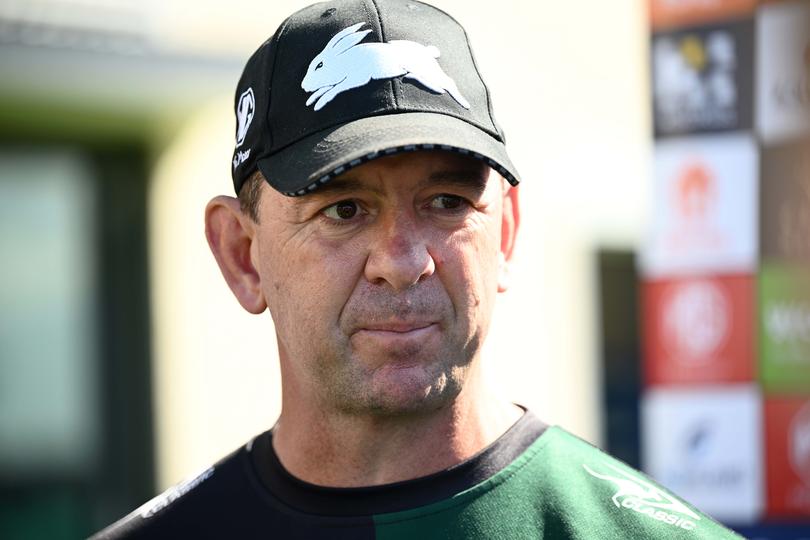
x: 417, y: 169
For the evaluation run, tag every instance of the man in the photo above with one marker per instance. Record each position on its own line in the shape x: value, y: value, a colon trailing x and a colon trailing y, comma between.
x: 376, y: 219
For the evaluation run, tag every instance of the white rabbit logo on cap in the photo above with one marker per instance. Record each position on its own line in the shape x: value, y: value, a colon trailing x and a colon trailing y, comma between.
x: 343, y: 65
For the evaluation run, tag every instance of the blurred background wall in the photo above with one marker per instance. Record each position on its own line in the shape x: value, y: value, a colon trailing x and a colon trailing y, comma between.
x: 125, y: 363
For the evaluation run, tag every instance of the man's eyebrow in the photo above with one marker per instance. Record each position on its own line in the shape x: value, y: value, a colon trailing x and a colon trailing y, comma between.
x: 466, y: 178
x: 344, y: 185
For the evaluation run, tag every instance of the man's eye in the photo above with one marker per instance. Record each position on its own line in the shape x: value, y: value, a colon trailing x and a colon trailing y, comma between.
x: 447, y: 202
x: 342, y: 210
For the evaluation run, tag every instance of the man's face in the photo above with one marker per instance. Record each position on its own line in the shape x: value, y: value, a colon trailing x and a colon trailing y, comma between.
x: 382, y: 282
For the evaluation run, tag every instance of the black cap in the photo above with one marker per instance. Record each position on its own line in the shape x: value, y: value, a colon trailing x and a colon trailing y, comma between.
x: 344, y: 82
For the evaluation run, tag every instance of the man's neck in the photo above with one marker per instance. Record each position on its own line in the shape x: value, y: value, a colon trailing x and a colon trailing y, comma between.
x: 357, y: 450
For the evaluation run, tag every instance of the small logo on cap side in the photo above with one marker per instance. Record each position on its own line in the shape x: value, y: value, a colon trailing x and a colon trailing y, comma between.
x: 240, y: 157
x: 244, y: 115
x: 343, y: 65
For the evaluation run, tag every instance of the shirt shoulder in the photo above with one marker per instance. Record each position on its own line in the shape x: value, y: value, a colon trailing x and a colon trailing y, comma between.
x: 596, y: 490
x: 217, y: 502
x: 560, y: 487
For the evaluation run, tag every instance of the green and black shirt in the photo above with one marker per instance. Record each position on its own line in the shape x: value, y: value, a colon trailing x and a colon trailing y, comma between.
x: 533, y: 482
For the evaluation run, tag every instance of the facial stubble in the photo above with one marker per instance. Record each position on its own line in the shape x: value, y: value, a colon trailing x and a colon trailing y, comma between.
x: 410, y: 380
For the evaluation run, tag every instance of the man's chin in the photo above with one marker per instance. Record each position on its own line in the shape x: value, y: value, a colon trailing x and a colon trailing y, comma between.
x: 412, y: 389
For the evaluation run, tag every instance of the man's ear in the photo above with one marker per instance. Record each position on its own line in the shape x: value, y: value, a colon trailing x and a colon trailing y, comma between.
x: 510, y: 221
x: 230, y: 234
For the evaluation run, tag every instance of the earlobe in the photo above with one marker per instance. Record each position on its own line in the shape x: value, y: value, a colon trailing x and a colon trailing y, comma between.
x: 510, y: 222
x: 503, y: 273
x: 230, y: 235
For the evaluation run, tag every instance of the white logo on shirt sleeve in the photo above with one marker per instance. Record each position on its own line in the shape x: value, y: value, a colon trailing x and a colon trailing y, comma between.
x: 645, y: 498
x: 344, y: 64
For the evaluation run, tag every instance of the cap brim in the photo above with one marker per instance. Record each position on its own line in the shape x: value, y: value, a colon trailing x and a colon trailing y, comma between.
x: 301, y: 167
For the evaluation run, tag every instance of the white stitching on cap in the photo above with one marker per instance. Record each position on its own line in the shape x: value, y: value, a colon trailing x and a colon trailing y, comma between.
x: 399, y: 149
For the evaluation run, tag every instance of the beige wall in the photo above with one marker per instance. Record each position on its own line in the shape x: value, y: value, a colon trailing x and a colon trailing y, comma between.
x: 569, y: 81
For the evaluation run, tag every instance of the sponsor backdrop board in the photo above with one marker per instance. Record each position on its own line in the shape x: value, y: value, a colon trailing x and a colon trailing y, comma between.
x: 784, y: 328
x: 705, y: 194
x: 679, y: 13
x: 783, y: 70
x: 705, y: 200
x: 726, y: 263
x: 785, y: 202
x: 705, y: 445
x: 787, y: 453
x: 698, y: 330
x: 703, y: 79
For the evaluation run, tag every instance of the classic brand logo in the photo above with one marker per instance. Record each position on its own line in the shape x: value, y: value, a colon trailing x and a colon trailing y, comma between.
x: 642, y: 497
x: 343, y: 65
x: 244, y: 115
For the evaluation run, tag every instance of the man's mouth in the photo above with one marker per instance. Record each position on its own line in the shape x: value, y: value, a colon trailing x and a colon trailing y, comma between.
x: 395, y: 334
x: 396, y: 327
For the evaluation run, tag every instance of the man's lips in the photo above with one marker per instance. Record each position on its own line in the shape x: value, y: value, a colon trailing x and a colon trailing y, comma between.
x: 392, y: 334
x: 395, y: 327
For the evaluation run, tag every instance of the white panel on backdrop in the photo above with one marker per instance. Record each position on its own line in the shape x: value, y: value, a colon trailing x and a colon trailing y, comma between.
x: 704, y: 213
x: 783, y: 70
x: 705, y: 444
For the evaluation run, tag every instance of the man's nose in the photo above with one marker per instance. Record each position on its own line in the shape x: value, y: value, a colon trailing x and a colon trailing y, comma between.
x: 399, y: 254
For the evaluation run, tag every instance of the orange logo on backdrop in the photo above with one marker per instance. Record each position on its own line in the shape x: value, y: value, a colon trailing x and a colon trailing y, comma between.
x: 675, y: 13
x: 694, y: 201
x: 695, y: 190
